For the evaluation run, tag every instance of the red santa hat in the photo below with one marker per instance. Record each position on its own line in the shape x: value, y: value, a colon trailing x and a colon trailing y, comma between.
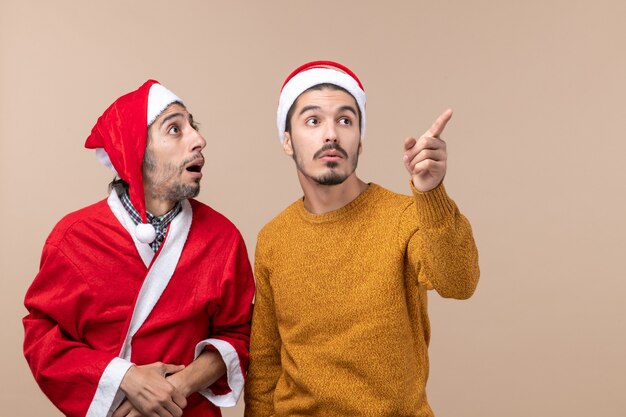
x: 312, y: 74
x: 119, y: 138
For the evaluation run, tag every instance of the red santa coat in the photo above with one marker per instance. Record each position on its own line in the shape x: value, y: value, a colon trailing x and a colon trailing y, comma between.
x: 103, y: 301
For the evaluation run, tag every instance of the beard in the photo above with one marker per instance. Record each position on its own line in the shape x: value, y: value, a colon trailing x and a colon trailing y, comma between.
x: 330, y: 177
x: 162, y: 185
x: 180, y: 192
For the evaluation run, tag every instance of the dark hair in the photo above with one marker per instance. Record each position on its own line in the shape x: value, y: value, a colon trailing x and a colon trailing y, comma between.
x: 317, y: 87
x: 119, y: 185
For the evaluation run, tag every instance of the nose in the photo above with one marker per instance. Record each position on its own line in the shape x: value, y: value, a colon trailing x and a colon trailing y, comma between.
x: 198, y: 142
x: 330, y: 134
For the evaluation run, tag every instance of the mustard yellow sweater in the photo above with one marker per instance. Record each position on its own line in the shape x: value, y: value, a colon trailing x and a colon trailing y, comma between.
x: 340, y: 325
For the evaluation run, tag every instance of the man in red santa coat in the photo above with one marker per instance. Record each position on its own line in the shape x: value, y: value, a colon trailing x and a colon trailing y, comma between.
x: 142, y: 303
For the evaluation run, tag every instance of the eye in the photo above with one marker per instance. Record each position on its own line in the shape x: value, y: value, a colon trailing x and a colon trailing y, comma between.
x: 345, y: 121
x: 311, y: 121
x: 173, y: 130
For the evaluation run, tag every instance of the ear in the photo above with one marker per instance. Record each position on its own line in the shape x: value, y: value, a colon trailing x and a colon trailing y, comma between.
x: 360, y: 147
x: 287, y: 145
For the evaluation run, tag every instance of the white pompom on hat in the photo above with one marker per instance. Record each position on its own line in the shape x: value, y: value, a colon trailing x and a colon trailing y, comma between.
x: 314, y: 73
x: 119, y: 138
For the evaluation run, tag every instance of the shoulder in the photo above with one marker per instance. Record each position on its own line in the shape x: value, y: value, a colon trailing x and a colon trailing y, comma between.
x: 285, y: 218
x: 386, y: 199
x: 86, y: 218
x: 280, y: 231
x: 204, y: 215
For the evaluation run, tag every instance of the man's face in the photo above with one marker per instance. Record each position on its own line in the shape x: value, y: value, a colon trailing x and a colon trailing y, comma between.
x: 173, y: 160
x: 325, y: 139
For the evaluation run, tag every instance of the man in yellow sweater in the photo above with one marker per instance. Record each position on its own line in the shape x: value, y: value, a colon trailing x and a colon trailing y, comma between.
x: 340, y: 325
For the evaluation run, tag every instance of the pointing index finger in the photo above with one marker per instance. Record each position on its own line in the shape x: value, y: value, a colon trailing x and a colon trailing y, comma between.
x: 437, y: 128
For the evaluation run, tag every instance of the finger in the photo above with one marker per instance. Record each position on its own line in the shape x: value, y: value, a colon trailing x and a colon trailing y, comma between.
x: 437, y: 128
x: 409, y: 143
x: 160, y: 412
x: 179, y: 399
x: 427, y: 165
x: 435, y: 155
x: 123, y: 409
x: 172, y: 409
x: 169, y: 369
x: 410, y: 154
x: 430, y: 142
x: 426, y: 142
x: 423, y: 165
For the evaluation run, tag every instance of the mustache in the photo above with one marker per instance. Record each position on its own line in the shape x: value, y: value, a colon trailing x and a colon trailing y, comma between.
x: 331, y: 147
x: 192, y: 158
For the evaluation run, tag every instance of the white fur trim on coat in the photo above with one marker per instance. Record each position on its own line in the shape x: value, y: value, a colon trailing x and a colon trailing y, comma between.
x: 234, y: 375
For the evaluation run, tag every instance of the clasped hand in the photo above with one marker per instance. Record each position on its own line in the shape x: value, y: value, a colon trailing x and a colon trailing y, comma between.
x: 150, y: 392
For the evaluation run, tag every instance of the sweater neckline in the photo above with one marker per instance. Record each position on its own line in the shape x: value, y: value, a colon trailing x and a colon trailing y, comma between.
x: 340, y: 212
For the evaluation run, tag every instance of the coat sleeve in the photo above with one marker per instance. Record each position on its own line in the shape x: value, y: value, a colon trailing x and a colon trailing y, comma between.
x: 230, y: 327
x: 265, y: 344
x: 441, y: 251
x: 66, y: 368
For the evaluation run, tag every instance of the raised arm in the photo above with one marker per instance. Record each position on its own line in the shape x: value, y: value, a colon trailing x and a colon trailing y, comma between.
x: 442, y: 252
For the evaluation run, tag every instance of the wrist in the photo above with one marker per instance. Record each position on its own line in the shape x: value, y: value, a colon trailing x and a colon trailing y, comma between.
x: 421, y: 188
x: 126, y: 382
x: 179, y: 382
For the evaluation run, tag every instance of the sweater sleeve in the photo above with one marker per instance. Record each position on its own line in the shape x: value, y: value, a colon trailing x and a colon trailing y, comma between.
x: 265, y: 345
x: 230, y: 327
x: 67, y: 369
x: 441, y: 251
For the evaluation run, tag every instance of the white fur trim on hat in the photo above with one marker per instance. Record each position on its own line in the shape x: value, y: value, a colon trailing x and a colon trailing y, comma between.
x: 104, y: 159
x: 309, y: 78
x: 158, y: 100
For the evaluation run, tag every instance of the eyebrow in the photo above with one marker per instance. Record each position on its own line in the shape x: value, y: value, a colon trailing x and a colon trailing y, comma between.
x: 348, y: 108
x: 341, y: 109
x: 170, y: 117
x: 307, y: 108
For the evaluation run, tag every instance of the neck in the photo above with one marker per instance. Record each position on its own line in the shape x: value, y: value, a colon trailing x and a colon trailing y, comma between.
x: 158, y: 207
x: 320, y: 199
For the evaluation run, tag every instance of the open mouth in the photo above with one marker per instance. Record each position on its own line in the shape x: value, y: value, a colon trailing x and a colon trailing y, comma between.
x: 195, y: 166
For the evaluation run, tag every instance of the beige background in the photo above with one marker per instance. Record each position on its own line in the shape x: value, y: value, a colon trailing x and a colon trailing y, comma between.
x: 536, y: 160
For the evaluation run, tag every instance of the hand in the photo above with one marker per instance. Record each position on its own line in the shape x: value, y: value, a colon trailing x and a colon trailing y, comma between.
x: 150, y: 393
x: 178, y: 381
x: 207, y: 368
x: 425, y: 158
x: 126, y: 409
